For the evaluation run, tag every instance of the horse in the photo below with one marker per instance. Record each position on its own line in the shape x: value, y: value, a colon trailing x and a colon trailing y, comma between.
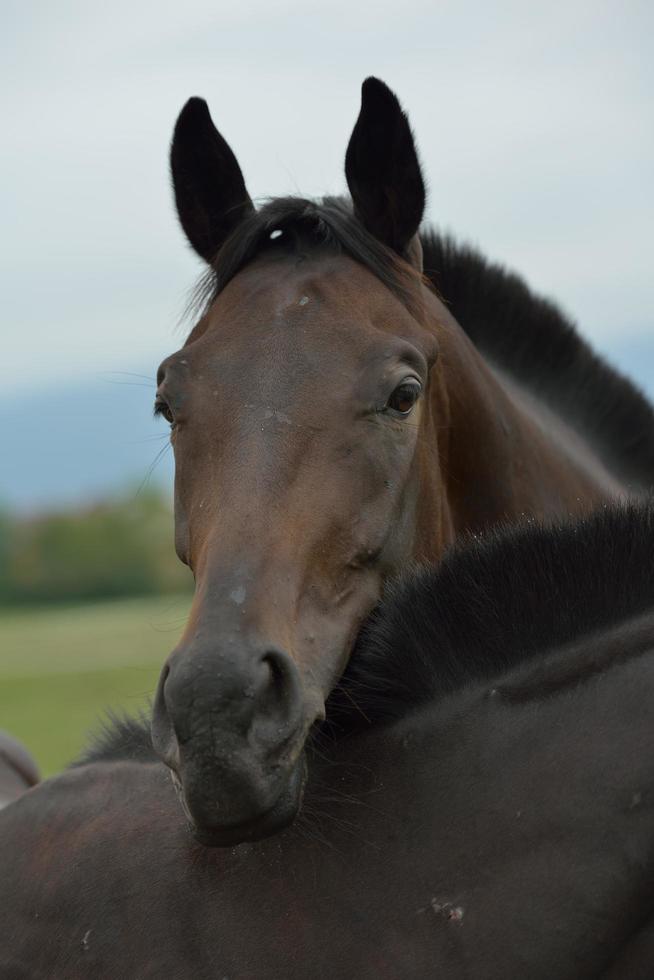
x: 354, y: 396
x: 480, y: 799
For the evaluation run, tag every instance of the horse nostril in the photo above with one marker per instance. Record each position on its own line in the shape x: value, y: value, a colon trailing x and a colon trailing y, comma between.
x: 162, y: 729
x: 160, y: 702
x: 278, y: 697
x: 282, y: 676
x: 277, y: 673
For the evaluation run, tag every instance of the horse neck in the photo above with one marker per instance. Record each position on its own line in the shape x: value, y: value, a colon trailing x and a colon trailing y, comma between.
x: 500, y: 455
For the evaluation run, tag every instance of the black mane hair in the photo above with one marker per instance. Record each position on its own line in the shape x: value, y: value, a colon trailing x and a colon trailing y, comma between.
x: 514, y: 595
x: 536, y: 343
x: 495, y: 602
x: 120, y: 737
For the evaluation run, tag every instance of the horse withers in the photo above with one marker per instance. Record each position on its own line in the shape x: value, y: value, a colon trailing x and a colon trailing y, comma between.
x: 332, y: 422
x: 480, y: 801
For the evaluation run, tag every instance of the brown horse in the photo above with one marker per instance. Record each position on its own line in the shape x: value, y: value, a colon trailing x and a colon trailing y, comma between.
x: 495, y: 821
x: 333, y: 420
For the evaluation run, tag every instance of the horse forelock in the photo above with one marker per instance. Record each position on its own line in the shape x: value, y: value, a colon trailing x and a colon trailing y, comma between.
x: 296, y: 224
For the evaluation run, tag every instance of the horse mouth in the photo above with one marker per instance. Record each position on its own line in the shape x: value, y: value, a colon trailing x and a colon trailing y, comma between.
x: 264, y: 824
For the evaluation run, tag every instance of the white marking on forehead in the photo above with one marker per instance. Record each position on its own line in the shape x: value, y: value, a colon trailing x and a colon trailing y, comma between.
x: 303, y: 301
x: 238, y: 595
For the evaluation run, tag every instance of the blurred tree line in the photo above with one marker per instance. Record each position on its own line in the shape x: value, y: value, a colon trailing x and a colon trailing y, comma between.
x: 123, y: 547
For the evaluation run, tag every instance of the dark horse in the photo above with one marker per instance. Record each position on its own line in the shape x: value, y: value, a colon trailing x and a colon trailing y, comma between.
x: 494, y: 818
x: 332, y: 421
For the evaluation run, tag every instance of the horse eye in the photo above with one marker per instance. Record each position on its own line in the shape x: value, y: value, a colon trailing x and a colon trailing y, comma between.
x: 405, y: 396
x: 163, y: 408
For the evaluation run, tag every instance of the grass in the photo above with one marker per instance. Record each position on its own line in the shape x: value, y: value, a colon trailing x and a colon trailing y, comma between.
x: 62, y: 667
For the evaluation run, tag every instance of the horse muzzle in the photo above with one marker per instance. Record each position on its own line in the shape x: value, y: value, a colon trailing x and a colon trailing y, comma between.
x: 232, y: 732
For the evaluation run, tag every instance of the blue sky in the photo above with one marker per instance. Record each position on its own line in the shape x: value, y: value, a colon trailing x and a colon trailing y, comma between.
x: 534, y: 124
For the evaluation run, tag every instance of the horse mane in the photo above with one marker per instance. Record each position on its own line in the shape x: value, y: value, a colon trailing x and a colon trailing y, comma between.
x: 496, y: 601
x: 119, y: 737
x: 540, y: 347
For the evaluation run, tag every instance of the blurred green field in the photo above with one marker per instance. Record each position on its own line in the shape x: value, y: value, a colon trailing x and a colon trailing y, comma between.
x: 62, y: 667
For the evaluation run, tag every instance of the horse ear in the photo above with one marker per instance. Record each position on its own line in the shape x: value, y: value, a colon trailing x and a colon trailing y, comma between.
x: 209, y: 188
x: 382, y: 169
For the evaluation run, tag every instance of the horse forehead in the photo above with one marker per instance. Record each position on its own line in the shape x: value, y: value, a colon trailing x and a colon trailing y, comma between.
x: 332, y: 290
x: 303, y: 318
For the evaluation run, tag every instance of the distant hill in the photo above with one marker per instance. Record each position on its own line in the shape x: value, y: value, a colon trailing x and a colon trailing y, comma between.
x: 75, y: 442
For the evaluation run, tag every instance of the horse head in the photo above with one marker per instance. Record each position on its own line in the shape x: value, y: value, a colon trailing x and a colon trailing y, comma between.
x: 298, y: 417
